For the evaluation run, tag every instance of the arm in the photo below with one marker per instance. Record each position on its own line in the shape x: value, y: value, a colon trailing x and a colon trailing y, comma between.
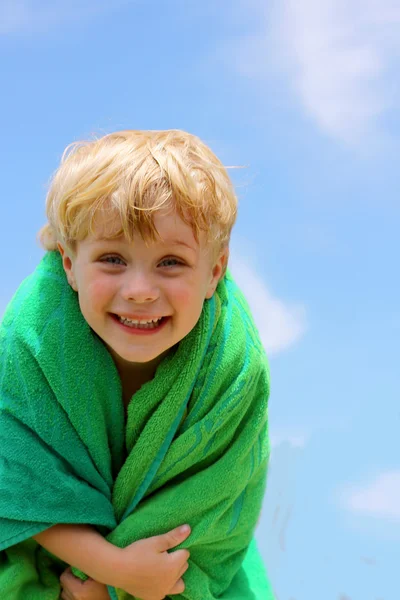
x: 83, y: 547
x: 143, y: 569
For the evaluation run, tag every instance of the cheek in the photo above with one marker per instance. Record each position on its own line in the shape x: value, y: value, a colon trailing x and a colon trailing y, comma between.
x: 188, y: 296
x: 99, y: 288
x: 183, y: 296
x: 95, y: 293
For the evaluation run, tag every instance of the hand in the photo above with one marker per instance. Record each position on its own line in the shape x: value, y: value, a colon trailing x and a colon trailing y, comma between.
x: 147, y: 571
x: 76, y: 589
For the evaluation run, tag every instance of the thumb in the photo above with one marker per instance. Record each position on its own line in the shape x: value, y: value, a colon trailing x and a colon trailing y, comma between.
x: 173, y: 538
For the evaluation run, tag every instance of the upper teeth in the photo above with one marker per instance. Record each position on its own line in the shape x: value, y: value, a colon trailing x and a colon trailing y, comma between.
x: 139, y: 322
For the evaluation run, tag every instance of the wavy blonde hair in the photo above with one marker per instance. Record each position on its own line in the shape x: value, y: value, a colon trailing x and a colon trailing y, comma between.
x: 132, y: 174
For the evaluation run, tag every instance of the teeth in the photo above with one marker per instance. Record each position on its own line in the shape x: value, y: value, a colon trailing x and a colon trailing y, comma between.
x: 139, y: 323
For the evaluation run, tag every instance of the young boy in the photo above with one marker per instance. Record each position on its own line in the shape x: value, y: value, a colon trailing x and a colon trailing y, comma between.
x: 141, y: 222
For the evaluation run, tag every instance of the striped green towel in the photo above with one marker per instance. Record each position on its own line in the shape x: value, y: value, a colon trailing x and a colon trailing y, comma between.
x: 194, y: 449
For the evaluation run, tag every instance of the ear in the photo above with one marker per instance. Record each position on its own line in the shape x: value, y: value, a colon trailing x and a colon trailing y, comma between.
x: 68, y: 266
x: 218, y: 271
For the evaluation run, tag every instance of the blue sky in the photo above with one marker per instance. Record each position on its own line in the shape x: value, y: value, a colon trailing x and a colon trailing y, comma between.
x: 304, y: 95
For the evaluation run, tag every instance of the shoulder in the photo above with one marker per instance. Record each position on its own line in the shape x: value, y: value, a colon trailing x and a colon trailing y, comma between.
x: 238, y: 332
x: 36, y: 302
x: 239, y: 311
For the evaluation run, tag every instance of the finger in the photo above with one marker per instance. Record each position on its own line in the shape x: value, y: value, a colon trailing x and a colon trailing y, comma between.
x: 179, y: 556
x: 70, y: 581
x: 65, y: 574
x: 172, y: 538
x: 184, y: 569
x: 67, y: 577
x: 67, y: 593
x: 178, y: 588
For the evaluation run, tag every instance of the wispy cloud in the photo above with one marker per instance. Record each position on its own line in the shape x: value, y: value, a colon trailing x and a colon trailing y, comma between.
x: 32, y: 16
x: 280, y: 325
x: 339, y: 56
x: 379, y: 498
x: 297, y: 440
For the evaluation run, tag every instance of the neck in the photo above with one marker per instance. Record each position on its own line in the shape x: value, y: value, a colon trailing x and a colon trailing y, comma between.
x: 136, y: 372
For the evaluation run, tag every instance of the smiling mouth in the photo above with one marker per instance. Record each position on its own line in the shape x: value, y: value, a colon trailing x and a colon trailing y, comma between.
x: 140, y: 324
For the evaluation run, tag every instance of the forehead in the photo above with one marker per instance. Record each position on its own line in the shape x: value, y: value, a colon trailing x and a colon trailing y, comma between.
x: 169, y: 225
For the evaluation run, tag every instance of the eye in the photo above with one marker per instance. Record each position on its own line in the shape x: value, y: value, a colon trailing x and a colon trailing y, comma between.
x: 171, y: 262
x: 112, y: 260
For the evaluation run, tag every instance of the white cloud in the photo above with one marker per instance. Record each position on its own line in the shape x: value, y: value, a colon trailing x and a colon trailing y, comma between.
x: 30, y: 16
x: 280, y: 325
x: 380, y: 498
x: 339, y: 56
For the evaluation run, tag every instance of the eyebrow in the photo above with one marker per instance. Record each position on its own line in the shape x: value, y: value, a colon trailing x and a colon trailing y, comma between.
x: 173, y: 242
x: 179, y: 243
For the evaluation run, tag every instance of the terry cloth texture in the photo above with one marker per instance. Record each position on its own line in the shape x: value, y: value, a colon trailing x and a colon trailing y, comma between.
x: 194, y: 448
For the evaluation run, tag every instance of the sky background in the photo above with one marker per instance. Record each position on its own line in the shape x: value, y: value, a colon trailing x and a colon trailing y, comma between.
x: 304, y: 94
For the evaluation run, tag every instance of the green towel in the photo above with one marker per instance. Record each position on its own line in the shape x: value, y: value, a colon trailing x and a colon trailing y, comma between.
x: 194, y: 448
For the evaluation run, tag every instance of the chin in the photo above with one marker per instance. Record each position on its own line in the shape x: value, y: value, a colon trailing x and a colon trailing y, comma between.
x: 138, y: 358
x: 141, y: 360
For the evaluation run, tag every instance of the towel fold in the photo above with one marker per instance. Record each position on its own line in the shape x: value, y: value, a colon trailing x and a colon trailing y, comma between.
x: 194, y: 448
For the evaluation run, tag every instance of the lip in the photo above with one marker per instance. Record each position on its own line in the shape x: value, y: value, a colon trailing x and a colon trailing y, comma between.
x: 137, y: 331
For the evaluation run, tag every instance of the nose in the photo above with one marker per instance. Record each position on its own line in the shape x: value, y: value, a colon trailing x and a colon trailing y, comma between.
x: 140, y: 288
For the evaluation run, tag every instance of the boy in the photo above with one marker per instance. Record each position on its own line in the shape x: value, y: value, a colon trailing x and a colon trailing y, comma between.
x: 141, y: 222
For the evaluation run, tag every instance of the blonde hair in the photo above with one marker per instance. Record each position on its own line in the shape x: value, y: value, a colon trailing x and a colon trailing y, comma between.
x: 133, y: 174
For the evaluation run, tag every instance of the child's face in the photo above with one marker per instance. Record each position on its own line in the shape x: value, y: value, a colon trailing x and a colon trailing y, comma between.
x: 168, y: 279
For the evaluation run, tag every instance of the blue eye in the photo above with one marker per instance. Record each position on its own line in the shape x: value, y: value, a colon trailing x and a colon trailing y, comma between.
x: 113, y: 260
x: 170, y: 262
